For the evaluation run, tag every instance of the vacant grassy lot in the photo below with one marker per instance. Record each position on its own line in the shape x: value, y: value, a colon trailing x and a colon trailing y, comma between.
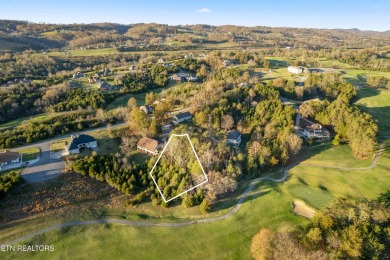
x: 30, y: 153
x: 108, y: 141
x: 377, y: 103
x: 59, y: 145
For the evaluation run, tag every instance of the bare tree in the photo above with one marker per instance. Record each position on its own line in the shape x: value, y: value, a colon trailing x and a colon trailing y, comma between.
x: 227, y: 122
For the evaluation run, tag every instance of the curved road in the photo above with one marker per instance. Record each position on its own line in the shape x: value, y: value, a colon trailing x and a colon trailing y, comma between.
x: 206, y: 220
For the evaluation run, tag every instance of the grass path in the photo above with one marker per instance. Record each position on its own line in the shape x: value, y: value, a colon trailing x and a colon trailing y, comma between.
x: 205, y: 220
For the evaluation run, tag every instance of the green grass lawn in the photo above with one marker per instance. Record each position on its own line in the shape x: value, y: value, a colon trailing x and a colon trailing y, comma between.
x: 268, y: 205
x: 326, y: 154
x: 36, y: 118
x: 325, y: 63
x: 139, y: 158
x: 90, y: 52
x: 359, y: 77
x: 24, y: 120
x: 30, y: 153
x: 377, y: 103
x: 316, y: 197
x: 140, y: 98
x: 107, y: 143
x: 227, y: 239
x: 59, y: 145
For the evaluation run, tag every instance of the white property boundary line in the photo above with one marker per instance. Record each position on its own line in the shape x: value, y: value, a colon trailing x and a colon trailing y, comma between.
x: 196, y: 155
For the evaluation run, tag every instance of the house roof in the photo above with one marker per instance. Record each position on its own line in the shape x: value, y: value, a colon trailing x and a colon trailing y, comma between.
x: 148, y: 144
x: 303, y: 122
x: 79, y: 139
x: 104, y: 85
x: 183, y: 115
x: 233, y: 135
x: 7, y: 155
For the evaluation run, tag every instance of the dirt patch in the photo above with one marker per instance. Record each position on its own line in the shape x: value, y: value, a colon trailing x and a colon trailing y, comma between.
x: 68, y: 192
x: 301, y: 209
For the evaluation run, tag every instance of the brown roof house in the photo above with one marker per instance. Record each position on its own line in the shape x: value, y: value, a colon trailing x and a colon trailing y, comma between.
x: 148, y: 146
x: 312, y: 130
x: 8, y: 157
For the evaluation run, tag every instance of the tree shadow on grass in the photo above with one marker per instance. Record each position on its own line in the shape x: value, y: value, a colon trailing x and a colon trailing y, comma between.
x: 366, y: 93
x: 381, y: 116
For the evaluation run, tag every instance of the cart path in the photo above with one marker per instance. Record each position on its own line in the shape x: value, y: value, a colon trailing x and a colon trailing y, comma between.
x: 193, y: 222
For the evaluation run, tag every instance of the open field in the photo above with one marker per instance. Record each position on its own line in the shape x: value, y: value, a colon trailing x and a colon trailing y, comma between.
x: 30, y: 119
x: 90, y: 52
x: 29, y: 153
x: 359, y: 77
x: 107, y: 140
x: 377, y: 103
x: 325, y: 154
x: 140, y: 98
x: 264, y: 208
x: 325, y: 63
x: 24, y: 120
x: 268, y: 205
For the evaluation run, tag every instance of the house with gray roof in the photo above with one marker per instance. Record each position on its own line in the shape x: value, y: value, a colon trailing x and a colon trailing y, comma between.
x: 181, y: 117
x: 8, y: 157
x: 78, y: 142
x: 234, y: 137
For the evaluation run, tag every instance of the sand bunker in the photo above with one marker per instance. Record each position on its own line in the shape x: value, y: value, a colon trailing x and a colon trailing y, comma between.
x: 301, y: 209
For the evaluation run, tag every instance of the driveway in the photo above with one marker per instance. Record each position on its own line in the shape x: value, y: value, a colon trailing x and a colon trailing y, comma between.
x: 45, y: 168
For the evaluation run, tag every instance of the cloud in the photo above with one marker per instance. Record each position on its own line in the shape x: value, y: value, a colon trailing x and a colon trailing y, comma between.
x: 204, y: 10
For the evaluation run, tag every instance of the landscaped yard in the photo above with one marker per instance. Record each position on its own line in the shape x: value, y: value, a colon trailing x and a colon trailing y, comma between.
x: 107, y: 143
x: 29, y: 154
x: 139, y: 158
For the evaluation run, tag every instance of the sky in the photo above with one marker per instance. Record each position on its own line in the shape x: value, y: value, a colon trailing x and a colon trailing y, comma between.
x: 364, y: 15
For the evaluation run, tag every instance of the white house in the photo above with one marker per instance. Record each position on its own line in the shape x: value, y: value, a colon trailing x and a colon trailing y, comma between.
x: 312, y: 130
x: 8, y: 157
x: 226, y: 63
x: 80, y: 141
x: 147, y: 109
x: 234, y: 137
x: 316, y: 132
x: 181, y: 117
x: 295, y: 69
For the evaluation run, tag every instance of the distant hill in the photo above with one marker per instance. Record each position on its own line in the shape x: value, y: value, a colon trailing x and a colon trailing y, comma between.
x: 22, y: 35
